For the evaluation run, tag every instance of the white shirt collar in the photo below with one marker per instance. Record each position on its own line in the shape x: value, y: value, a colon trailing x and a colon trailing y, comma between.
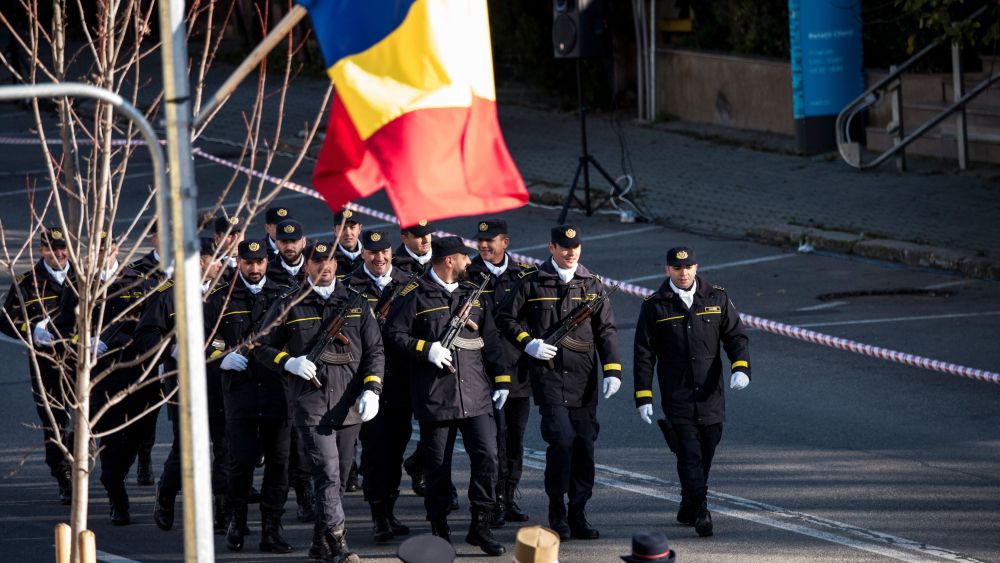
x: 324, y: 292
x: 422, y: 260
x: 352, y: 255
x: 497, y: 270
x: 110, y: 272
x: 204, y: 286
x: 451, y: 287
x: 380, y: 281
x: 254, y: 288
x: 293, y: 269
x: 565, y: 274
x: 59, y: 275
x: 274, y: 247
x: 687, y: 296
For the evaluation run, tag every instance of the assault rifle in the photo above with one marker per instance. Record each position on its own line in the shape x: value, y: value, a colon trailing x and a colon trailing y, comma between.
x: 461, y: 317
x: 333, y: 333
x: 577, y: 317
x: 383, y: 309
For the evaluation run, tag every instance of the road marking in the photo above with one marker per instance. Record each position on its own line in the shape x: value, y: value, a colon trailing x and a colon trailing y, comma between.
x: 946, y: 284
x: 723, y: 266
x: 822, y: 306
x: 586, y: 240
x: 901, y: 319
x: 112, y: 558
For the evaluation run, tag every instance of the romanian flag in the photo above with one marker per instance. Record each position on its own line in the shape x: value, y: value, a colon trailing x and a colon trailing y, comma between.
x: 414, y: 109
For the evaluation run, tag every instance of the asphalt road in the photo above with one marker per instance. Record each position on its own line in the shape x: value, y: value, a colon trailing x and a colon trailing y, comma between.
x: 826, y: 456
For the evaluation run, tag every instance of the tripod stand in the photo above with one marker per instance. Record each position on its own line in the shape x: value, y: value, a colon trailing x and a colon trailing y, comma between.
x: 585, y: 161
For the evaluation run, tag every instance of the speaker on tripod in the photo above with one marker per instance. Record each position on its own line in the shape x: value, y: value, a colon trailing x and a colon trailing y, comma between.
x: 580, y: 30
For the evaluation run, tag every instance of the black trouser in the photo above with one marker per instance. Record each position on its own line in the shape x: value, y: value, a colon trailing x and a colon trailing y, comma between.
x: 248, y: 438
x: 149, y: 440
x: 300, y: 467
x: 331, y: 451
x: 695, y: 450
x: 479, y: 435
x: 383, y: 444
x: 511, y: 422
x: 569, y: 458
x: 54, y: 456
x: 170, y: 479
x: 117, y: 452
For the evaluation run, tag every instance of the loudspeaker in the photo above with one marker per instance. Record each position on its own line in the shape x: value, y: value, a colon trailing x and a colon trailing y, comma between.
x: 579, y: 29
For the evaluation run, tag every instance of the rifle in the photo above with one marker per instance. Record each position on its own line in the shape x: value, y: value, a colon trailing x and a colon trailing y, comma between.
x: 333, y: 333
x: 461, y: 317
x: 383, y: 308
x: 577, y: 317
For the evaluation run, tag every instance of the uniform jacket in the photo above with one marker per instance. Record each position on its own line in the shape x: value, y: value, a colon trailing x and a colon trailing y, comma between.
x: 499, y: 289
x: 41, y: 295
x: 279, y: 275
x: 344, y: 370
x: 402, y: 260
x: 420, y: 317
x: 538, y: 306
x: 345, y: 265
x: 148, y: 267
x: 683, y: 346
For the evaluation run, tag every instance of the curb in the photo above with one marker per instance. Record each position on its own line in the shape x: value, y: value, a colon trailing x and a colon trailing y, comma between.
x: 962, y: 262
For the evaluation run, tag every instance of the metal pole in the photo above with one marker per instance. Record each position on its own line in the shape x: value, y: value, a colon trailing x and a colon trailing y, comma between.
x: 961, y: 133
x: 651, y: 83
x: 196, y: 482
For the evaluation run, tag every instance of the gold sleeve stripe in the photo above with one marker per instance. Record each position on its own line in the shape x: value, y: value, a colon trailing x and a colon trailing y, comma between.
x: 643, y: 394
x: 740, y: 364
x: 429, y: 310
x: 39, y: 299
x: 709, y: 313
x: 420, y: 345
x: 670, y: 319
x: 543, y: 299
x: 522, y: 336
x: 502, y: 379
x: 293, y: 321
x: 234, y: 313
x: 611, y: 367
x: 277, y: 359
x: 374, y: 378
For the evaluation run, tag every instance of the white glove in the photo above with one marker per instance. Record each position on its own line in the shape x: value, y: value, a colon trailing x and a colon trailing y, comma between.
x: 96, y: 342
x: 367, y: 405
x: 500, y: 398
x: 646, y: 413
x: 41, y: 335
x: 302, y: 367
x: 610, y: 386
x: 234, y: 362
x: 439, y: 355
x: 173, y: 351
x: 739, y: 381
x: 537, y: 348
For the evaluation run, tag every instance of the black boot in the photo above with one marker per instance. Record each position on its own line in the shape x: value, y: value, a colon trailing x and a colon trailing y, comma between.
x: 336, y: 542
x: 413, y: 468
x: 65, y: 480
x: 499, y: 509
x: 271, y: 540
x: 352, y: 479
x: 513, y: 512
x: 454, y: 499
x: 305, y: 499
x: 397, y: 527
x: 481, y: 535
x: 440, y: 529
x: 221, y: 514
x: 119, y: 508
x: 381, y: 531
x: 703, y: 521
x: 557, y: 519
x: 579, y: 527
x: 687, y: 512
x: 163, y: 509
x: 144, y: 469
x: 237, y: 525
x: 318, y: 549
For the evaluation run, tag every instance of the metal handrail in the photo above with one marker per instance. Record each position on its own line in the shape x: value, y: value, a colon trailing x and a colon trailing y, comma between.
x: 850, y: 150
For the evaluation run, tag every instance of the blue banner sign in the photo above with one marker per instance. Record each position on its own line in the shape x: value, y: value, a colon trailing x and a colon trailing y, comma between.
x: 827, y: 63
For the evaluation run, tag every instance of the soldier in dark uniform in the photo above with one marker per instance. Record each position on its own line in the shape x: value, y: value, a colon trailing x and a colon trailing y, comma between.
x: 256, y: 404
x: 348, y: 251
x: 32, y: 301
x: 335, y: 393
x: 154, y: 326
x: 274, y: 215
x: 564, y: 378
x: 385, y: 437
x: 679, y: 331
x: 227, y: 235
x: 445, y: 403
x: 286, y: 268
x: 505, y: 275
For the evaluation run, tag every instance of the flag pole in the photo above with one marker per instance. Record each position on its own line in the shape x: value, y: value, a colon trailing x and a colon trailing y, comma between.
x: 196, y: 482
x: 291, y: 19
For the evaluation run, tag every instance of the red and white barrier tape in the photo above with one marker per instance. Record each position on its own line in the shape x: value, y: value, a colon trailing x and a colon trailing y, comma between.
x: 774, y: 327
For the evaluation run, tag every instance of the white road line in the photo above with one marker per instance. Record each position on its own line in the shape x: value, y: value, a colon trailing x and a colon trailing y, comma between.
x: 822, y: 306
x: 947, y: 284
x: 711, y: 267
x: 590, y: 238
x: 112, y: 558
x: 901, y: 319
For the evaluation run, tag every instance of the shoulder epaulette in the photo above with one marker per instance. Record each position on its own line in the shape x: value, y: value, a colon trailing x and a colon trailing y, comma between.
x: 288, y: 290
x: 528, y: 270
x: 166, y: 286
x: 21, y: 277
x: 217, y: 289
x: 409, y: 287
x: 598, y: 278
x: 648, y: 297
x: 719, y: 287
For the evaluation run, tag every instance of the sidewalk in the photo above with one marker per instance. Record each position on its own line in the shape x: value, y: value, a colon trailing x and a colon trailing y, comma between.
x: 709, y: 180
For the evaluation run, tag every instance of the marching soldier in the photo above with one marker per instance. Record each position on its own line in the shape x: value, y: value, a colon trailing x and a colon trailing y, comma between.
x: 445, y: 403
x: 505, y: 274
x: 274, y: 215
x: 334, y: 392
x: 348, y: 251
x: 679, y: 331
x: 227, y: 236
x: 564, y: 378
x: 32, y: 301
x: 286, y: 268
x: 256, y: 407
x: 385, y: 437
